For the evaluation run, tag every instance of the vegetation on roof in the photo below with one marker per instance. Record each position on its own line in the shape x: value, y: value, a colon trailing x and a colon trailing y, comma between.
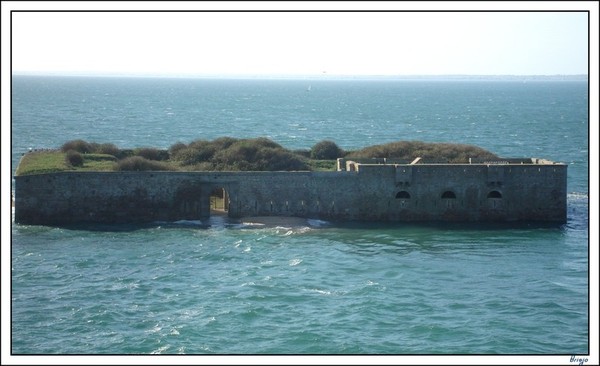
x: 428, y: 152
x: 231, y: 154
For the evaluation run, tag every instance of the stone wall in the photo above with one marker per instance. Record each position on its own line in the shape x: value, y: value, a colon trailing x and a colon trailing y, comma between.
x: 420, y: 192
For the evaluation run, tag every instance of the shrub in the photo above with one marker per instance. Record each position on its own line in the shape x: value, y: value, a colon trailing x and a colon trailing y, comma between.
x: 236, y: 157
x: 430, y: 152
x: 138, y: 163
x: 326, y: 150
x: 200, y: 143
x: 74, y: 158
x: 152, y: 153
x: 302, y: 152
x: 223, y: 143
x: 197, y: 151
x: 110, y: 149
x: 186, y: 156
x: 257, y: 155
x: 175, y: 148
x: 262, y: 142
x: 204, y: 150
x: 276, y: 159
x: 77, y: 145
x: 125, y: 153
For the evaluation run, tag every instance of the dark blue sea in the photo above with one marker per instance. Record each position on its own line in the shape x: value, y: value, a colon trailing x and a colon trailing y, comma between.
x: 320, y: 288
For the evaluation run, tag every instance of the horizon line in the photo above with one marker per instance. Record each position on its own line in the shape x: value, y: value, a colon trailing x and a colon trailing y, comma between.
x: 288, y: 76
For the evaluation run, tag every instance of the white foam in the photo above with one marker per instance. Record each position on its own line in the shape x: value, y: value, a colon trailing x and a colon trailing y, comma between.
x: 318, y: 223
x: 295, y: 262
x: 252, y: 224
x: 188, y: 222
x: 577, y: 196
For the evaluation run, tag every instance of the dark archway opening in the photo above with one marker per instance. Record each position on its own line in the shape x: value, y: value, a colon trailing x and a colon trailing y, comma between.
x: 448, y: 194
x: 494, y: 194
x: 403, y: 195
x: 219, y: 201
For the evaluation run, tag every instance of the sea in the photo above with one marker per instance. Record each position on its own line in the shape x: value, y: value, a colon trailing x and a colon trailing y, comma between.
x: 320, y: 288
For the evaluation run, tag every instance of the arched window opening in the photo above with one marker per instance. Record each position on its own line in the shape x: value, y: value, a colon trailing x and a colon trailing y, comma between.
x: 448, y: 194
x: 494, y: 194
x: 219, y: 200
x: 403, y: 195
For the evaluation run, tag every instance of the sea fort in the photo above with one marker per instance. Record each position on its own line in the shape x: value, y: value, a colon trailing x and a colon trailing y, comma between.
x: 504, y: 190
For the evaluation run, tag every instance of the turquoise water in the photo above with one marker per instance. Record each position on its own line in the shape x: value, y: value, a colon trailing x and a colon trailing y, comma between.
x: 319, y: 288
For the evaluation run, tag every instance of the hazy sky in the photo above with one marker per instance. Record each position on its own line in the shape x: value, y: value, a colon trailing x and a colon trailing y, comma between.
x: 301, y: 43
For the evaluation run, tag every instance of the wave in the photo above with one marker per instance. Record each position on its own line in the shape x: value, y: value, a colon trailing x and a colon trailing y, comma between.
x: 188, y: 222
x: 318, y: 223
x: 577, y: 196
x: 182, y: 224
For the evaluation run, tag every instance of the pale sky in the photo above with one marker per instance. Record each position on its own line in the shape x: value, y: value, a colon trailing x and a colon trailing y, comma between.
x: 301, y: 43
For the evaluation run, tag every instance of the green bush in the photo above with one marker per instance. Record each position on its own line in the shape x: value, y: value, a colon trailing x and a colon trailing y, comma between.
x: 152, y: 153
x: 326, y: 150
x: 109, y: 149
x: 138, y: 163
x: 237, y: 157
x: 262, y: 142
x: 232, y: 154
x: 197, y: 151
x: 203, y: 150
x: 77, y: 145
x: 257, y: 155
x: 126, y: 153
x: 186, y: 156
x: 223, y: 143
x: 302, y: 152
x: 176, y: 147
x: 200, y: 143
x: 430, y: 152
x: 74, y: 158
x: 277, y: 159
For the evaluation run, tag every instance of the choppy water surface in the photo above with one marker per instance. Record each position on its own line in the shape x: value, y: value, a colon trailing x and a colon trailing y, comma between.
x: 220, y: 287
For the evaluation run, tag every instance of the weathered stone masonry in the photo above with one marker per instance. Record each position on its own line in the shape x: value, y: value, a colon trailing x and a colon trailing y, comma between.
x: 532, y: 190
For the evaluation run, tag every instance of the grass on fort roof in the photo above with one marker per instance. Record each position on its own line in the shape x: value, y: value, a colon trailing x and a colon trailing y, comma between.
x: 55, y: 161
x: 322, y: 165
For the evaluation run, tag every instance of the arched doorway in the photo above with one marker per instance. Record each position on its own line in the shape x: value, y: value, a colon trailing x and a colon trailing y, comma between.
x: 448, y: 195
x: 219, y: 201
x: 494, y: 199
x: 494, y: 194
x: 449, y: 199
x: 403, y: 195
